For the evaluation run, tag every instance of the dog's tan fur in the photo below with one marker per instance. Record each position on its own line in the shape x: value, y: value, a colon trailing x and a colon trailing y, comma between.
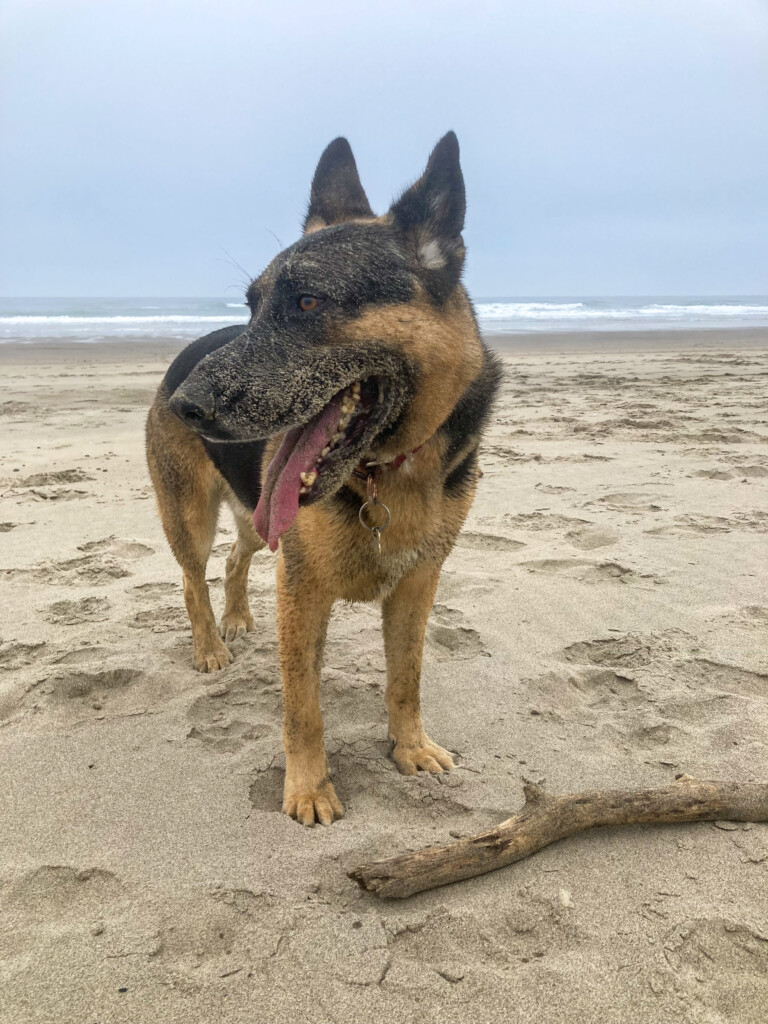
x: 189, y: 493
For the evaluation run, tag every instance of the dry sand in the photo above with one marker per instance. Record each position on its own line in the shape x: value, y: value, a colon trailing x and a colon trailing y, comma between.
x: 602, y: 622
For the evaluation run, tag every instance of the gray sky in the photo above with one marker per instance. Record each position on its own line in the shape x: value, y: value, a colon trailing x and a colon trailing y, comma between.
x: 609, y: 146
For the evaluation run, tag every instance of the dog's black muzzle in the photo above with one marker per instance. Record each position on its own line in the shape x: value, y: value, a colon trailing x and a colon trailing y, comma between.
x: 254, y: 388
x: 195, y: 403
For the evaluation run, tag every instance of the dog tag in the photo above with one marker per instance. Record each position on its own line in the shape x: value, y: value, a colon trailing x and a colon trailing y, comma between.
x: 375, y: 530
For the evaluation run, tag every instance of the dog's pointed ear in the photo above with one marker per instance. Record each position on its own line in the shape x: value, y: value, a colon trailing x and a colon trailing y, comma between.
x: 430, y: 214
x: 336, y: 195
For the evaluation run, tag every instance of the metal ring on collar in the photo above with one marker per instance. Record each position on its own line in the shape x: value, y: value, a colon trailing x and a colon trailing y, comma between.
x: 380, y: 504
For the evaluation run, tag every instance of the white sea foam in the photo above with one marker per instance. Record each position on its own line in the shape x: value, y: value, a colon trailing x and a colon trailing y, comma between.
x: 534, y: 310
x: 605, y: 314
x: 95, y: 321
x: 185, y: 319
x: 581, y: 311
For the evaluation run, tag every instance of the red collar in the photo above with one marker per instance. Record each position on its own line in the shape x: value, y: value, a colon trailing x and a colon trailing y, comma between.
x: 362, y: 472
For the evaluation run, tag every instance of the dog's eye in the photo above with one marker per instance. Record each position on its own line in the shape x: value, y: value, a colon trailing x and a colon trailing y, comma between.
x: 308, y: 302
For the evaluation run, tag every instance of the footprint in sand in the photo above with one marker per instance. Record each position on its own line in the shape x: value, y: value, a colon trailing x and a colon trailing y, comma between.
x: 230, y: 715
x: 507, y: 456
x: 15, y: 655
x: 626, y: 651
x: 97, y: 693
x: 537, y: 928
x: 55, y: 494
x: 46, y: 486
x: 448, y: 639
x: 156, y: 589
x: 552, y: 489
x: 716, y: 474
x: 16, y: 408
x: 605, y: 688
x: 61, y: 476
x: 587, y: 572
x: 130, y: 549
x: 691, y: 524
x: 755, y: 520
x: 82, y: 685
x: 488, y: 542
x: 647, y: 737
x: 87, y: 569
x: 167, y: 619
x: 541, y: 521
x: 588, y: 538
x: 202, y: 937
x: 74, y: 613
x: 58, y: 893
x: 720, y: 677
x: 446, y: 615
x: 99, y: 563
x: 607, y: 701
x: 754, y: 614
x: 718, y: 964
x: 229, y: 736
x: 628, y: 501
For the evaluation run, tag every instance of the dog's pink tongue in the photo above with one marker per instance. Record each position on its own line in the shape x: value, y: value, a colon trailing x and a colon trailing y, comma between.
x: 300, y: 449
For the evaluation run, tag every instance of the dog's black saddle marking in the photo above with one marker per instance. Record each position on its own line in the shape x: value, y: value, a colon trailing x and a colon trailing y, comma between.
x: 238, y: 462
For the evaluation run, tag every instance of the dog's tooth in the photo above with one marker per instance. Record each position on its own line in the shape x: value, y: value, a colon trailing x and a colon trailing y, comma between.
x: 303, y: 490
x: 308, y: 478
x: 324, y: 452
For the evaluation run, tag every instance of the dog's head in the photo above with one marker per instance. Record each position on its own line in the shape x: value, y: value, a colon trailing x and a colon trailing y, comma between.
x: 360, y: 342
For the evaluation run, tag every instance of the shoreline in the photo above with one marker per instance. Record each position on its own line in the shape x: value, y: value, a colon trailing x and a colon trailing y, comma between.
x: 60, y: 349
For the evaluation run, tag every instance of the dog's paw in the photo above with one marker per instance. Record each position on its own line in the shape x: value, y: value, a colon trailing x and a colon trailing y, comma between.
x: 236, y: 624
x: 307, y: 807
x: 212, y: 657
x: 423, y: 757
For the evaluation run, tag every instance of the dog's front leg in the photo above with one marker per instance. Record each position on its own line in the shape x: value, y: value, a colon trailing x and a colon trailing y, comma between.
x: 406, y: 612
x: 302, y: 619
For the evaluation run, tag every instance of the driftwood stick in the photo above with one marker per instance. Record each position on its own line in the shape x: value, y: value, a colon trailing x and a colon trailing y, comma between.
x: 545, y: 818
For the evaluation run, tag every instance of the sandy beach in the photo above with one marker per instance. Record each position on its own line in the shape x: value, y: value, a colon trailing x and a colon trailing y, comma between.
x: 602, y: 622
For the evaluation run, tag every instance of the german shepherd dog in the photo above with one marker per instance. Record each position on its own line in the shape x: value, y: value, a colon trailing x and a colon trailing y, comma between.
x: 341, y: 425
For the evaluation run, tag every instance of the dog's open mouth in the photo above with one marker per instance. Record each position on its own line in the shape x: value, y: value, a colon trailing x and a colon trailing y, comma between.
x: 310, y: 452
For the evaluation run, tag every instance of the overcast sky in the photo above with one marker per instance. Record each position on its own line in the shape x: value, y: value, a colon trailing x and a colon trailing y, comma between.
x: 610, y: 147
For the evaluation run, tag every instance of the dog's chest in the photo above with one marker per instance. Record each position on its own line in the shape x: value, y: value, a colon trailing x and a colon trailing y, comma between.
x: 374, y: 576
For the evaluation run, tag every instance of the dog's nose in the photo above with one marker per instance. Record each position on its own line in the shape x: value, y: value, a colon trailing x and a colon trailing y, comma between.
x: 195, y: 404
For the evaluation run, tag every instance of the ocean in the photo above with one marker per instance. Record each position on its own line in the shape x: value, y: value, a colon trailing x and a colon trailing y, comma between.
x: 88, y: 320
